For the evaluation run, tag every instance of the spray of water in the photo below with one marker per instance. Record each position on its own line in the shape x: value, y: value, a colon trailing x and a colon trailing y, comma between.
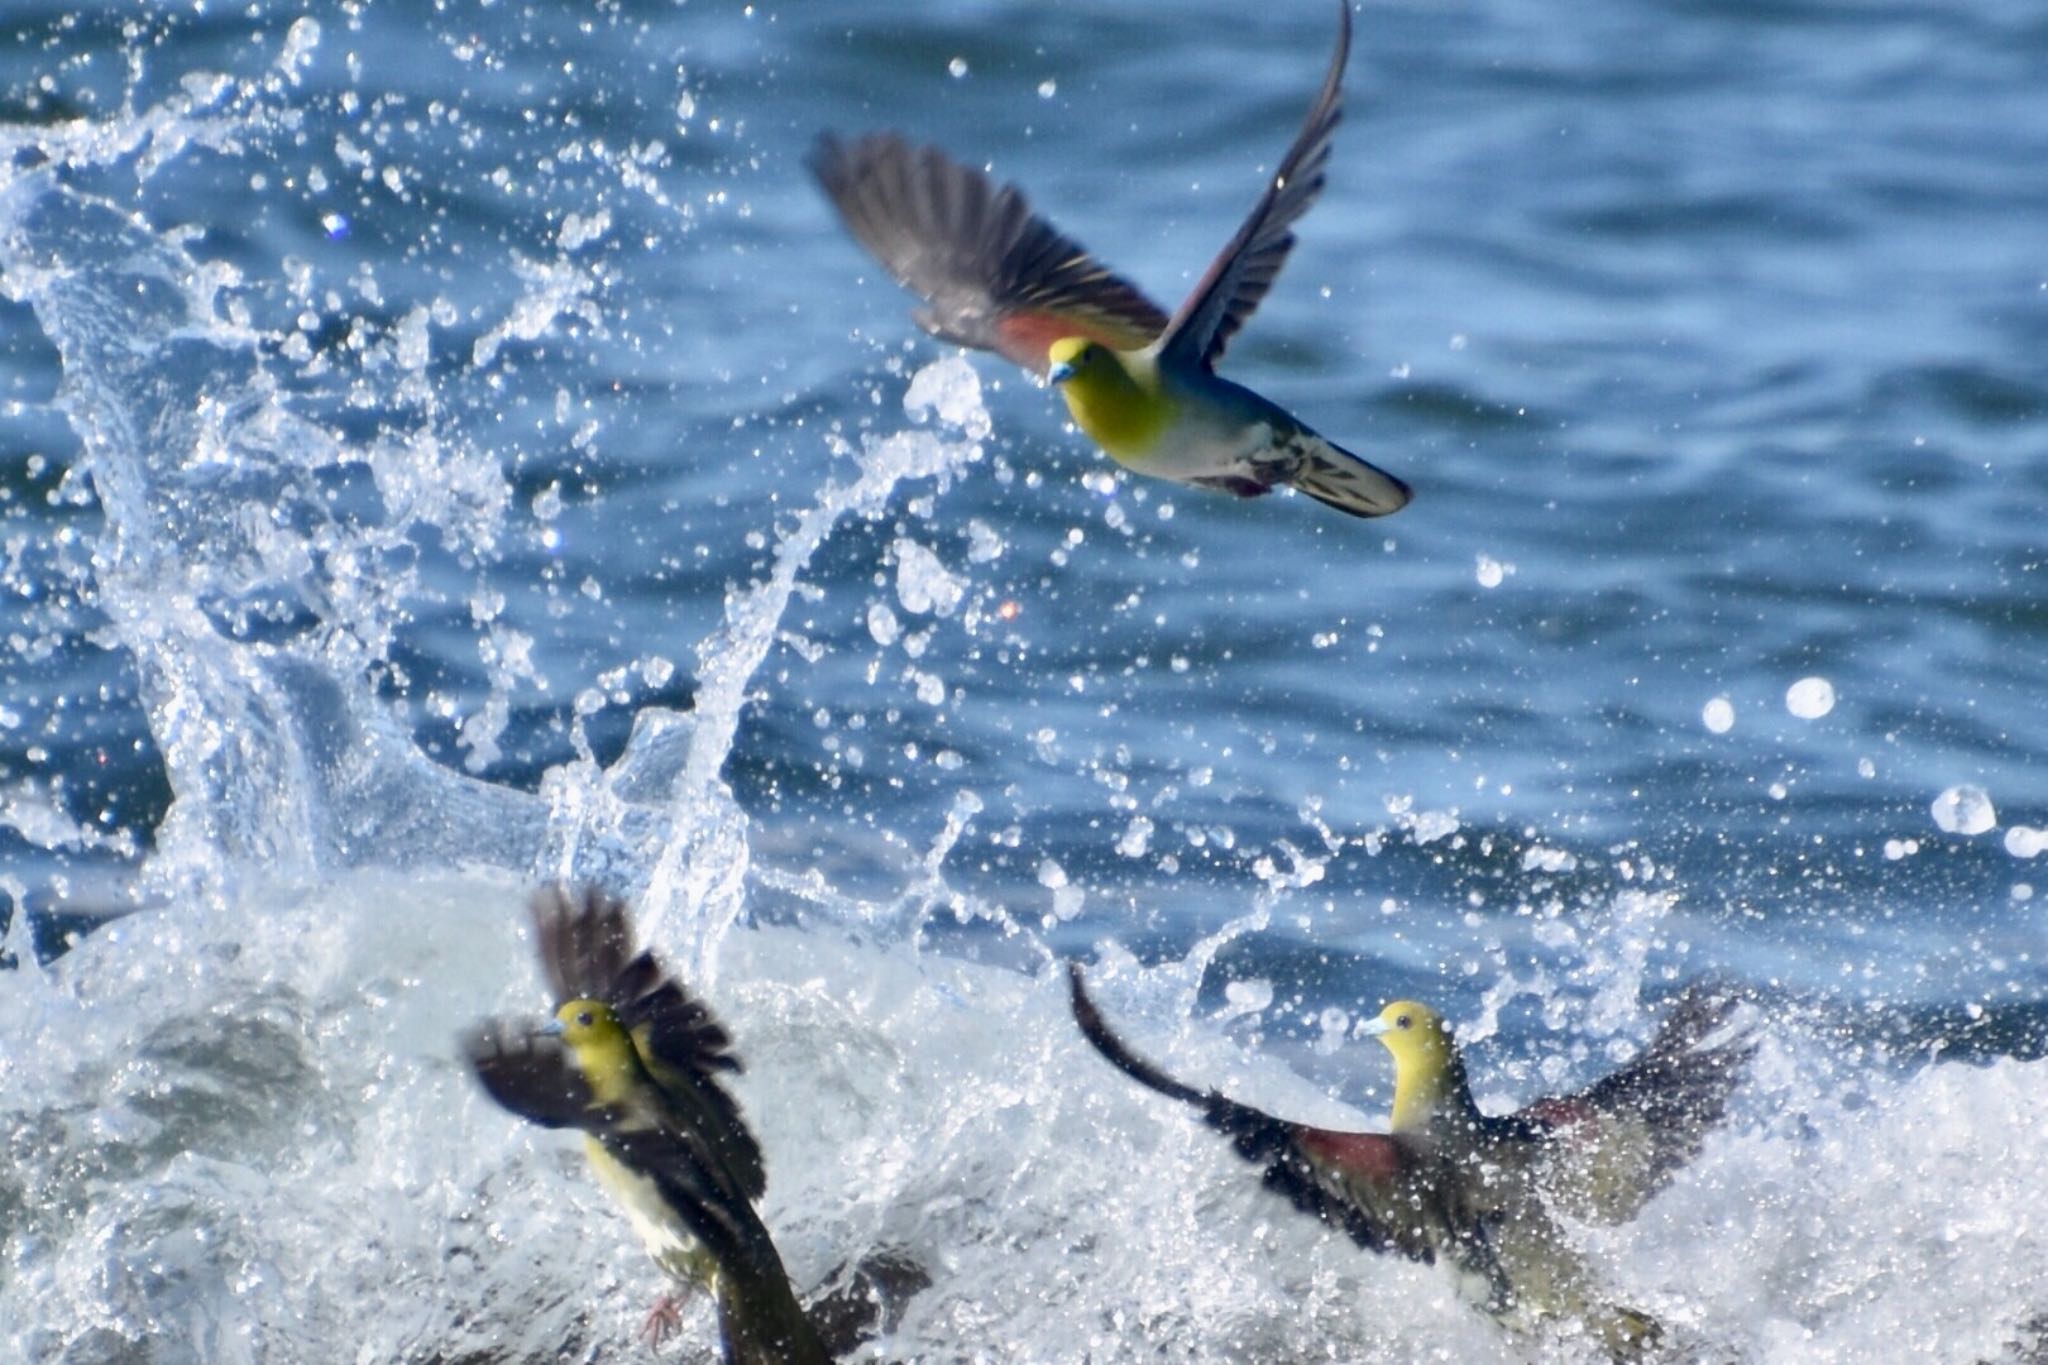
x: 236, y: 1129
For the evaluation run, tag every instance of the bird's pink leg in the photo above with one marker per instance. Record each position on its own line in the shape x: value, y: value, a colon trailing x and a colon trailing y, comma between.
x: 664, y: 1319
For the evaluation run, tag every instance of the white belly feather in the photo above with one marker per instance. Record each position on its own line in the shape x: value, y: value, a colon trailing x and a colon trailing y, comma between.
x: 667, y: 1239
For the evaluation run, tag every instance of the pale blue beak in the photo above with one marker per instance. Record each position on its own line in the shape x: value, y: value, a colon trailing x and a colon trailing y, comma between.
x: 1060, y: 373
x: 553, y: 1028
x: 1372, y: 1028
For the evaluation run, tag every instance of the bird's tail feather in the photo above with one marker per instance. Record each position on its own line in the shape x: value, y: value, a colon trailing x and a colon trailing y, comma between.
x: 1331, y: 474
x: 760, y: 1320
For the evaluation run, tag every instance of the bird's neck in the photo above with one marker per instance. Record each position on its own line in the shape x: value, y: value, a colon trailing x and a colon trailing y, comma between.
x: 1430, y: 1087
x: 1120, y: 404
x: 610, y: 1066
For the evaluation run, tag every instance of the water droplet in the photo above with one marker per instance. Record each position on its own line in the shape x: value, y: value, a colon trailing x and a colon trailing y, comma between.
x: 1810, y: 698
x: 1964, y: 809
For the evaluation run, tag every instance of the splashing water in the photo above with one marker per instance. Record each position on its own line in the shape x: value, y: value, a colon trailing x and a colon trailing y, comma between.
x: 234, y: 1125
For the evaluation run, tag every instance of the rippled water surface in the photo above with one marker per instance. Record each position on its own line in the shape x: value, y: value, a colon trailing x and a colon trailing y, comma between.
x: 451, y: 447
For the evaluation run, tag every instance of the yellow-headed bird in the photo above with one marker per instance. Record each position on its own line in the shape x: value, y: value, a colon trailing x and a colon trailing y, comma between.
x: 632, y: 1060
x: 1479, y: 1190
x: 1141, y: 384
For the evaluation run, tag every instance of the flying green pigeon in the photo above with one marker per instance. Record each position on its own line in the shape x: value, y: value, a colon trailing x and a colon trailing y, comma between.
x: 998, y: 277
x: 632, y: 1060
x: 1481, y: 1191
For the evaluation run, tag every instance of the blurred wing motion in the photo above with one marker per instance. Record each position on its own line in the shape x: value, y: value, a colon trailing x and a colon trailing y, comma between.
x: 1619, y: 1141
x: 1383, y: 1192
x: 996, y: 276
x: 586, y: 952
x: 663, y: 1135
x: 1244, y: 270
x: 1478, y: 1192
x: 530, y: 1074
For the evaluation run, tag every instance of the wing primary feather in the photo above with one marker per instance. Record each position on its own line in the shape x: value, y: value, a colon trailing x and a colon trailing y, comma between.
x: 1235, y: 282
x: 1681, y: 1081
x: 1292, y: 1169
x: 529, y: 1075
x: 993, y: 275
x: 1674, y: 1092
x: 585, y: 941
x: 1098, y: 1033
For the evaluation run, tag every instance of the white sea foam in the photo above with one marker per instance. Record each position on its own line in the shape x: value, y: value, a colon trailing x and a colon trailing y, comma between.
x: 247, y: 1130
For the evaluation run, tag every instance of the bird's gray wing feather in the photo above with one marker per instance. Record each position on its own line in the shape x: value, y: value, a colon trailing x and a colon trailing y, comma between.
x: 995, y: 275
x: 1622, y: 1138
x: 585, y: 941
x: 529, y: 1074
x: 1245, y: 269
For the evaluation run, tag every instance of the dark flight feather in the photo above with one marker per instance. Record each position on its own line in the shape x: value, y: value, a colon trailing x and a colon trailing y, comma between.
x: 1237, y: 280
x: 995, y: 276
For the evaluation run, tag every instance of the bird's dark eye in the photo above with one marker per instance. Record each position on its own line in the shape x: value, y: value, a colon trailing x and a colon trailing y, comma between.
x: 583, y: 1019
x: 1404, y: 1022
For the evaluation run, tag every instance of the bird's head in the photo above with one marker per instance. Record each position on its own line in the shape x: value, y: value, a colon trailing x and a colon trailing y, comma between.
x: 1072, y: 356
x: 587, y: 1024
x: 1429, y: 1076
x: 599, y: 1047
x: 1417, y: 1035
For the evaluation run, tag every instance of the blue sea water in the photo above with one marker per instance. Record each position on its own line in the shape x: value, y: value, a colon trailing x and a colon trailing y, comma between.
x: 452, y: 447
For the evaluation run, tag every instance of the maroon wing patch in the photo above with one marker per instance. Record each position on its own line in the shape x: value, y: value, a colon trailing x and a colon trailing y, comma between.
x: 1356, y: 1156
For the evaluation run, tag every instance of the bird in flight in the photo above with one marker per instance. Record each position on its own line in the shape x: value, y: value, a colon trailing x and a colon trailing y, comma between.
x: 1142, y: 385
x: 1482, y: 1192
x: 633, y: 1060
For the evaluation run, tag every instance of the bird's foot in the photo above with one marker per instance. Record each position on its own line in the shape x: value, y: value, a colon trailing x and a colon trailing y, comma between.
x: 663, y: 1320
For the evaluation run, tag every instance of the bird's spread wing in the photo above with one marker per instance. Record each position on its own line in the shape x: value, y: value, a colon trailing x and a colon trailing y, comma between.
x: 1619, y: 1141
x: 711, y: 1110
x: 585, y: 941
x: 1367, y: 1184
x: 1242, y: 273
x: 996, y: 276
x: 587, y: 952
x: 528, y: 1074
